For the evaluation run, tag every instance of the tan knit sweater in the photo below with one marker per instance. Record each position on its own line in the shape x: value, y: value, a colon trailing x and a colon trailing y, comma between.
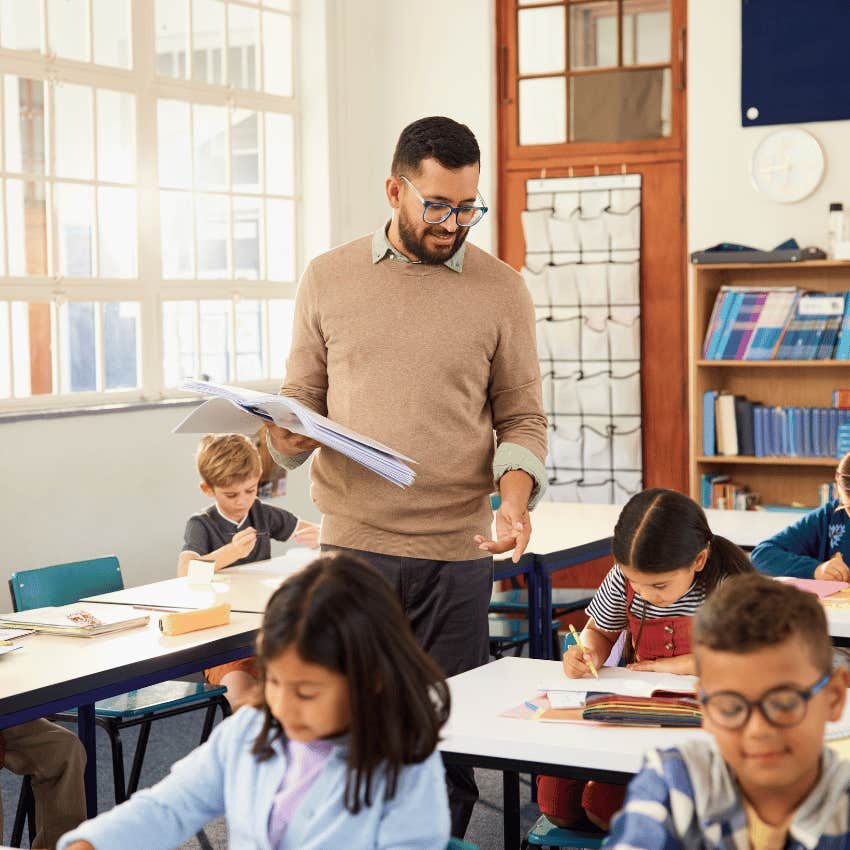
x: 429, y: 362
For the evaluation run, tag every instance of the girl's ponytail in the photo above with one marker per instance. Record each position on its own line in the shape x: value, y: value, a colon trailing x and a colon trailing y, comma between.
x: 724, y: 559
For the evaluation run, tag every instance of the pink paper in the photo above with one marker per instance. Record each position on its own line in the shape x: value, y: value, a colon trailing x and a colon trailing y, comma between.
x: 820, y: 588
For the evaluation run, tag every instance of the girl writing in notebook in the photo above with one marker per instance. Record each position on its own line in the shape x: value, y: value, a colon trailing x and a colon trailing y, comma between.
x: 338, y: 754
x: 667, y: 561
x: 818, y: 544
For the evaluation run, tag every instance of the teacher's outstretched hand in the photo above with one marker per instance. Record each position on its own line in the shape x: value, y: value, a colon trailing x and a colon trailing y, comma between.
x: 513, y: 522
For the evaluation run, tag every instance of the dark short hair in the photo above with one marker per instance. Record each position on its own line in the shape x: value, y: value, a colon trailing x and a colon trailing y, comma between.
x: 453, y: 145
x: 341, y: 613
x: 751, y: 612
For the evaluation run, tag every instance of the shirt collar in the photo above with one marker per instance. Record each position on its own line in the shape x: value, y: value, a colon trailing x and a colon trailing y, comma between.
x: 381, y: 247
x: 228, y: 519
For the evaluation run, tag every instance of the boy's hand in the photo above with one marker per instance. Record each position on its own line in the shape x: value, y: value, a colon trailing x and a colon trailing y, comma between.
x: 306, y: 534
x: 575, y: 662
x: 243, y: 542
x: 833, y: 570
x: 289, y: 443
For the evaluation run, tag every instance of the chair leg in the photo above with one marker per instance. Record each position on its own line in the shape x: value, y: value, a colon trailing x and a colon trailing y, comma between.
x: 24, y: 813
x: 117, y: 747
x: 138, y: 758
x: 209, y: 719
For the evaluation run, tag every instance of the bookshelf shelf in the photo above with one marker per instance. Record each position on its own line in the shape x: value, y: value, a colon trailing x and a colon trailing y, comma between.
x: 809, y: 383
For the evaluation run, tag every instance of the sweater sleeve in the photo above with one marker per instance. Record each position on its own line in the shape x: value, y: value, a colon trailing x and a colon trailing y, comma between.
x: 797, y: 550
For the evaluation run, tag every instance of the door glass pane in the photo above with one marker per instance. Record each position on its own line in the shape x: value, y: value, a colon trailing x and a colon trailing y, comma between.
x: 646, y: 32
x: 542, y: 111
x: 179, y: 342
x: 280, y: 154
x: 212, y: 231
x: 116, y: 136
x: 175, y: 144
x: 120, y: 345
x: 207, y: 41
x: 112, y: 32
x: 277, y: 54
x: 540, y: 40
x: 210, y: 142
x: 72, y: 108
x: 117, y: 223
x: 245, y: 142
x: 28, y: 372
x: 178, y: 241
x: 24, y: 124
x: 75, y: 228
x: 280, y: 223
x: 249, y: 340
x: 247, y: 237
x: 619, y: 106
x: 26, y: 219
x: 67, y: 29
x: 281, y: 315
x: 215, y: 340
x: 172, y: 38
x: 243, y: 52
x: 78, y: 352
x: 593, y: 34
x: 20, y: 24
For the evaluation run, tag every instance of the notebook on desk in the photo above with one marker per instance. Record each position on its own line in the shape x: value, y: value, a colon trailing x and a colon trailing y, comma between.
x: 76, y: 620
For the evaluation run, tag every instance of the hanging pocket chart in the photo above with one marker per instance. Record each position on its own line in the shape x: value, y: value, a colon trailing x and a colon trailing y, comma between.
x: 566, y: 204
x: 565, y: 446
x: 624, y: 333
x: 594, y: 336
x: 624, y: 200
x: 537, y: 283
x: 540, y: 201
x: 596, y: 450
x: 537, y: 249
x: 543, y: 352
x: 566, y: 392
x: 593, y: 202
x: 563, y: 335
x: 563, y: 235
x: 594, y: 395
x: 595, y: 491
x: 624, y: 283
x: 626, y: 442
x: 626, y: 485
x: 593, y: 235
x: 592, y: 284
x: 562, y: 285
x: 564, y: 491
x: 625, y: 390
x: 623, y: 230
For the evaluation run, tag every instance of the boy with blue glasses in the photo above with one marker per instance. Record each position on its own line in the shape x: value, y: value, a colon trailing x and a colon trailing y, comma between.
x: 765, y: 781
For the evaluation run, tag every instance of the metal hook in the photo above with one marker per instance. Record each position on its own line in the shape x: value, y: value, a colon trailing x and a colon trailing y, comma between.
x: 570, y: 171
x: 595, y: 170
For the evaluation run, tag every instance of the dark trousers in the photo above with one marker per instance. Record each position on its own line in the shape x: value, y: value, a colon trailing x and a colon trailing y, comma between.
x: 446, y: 603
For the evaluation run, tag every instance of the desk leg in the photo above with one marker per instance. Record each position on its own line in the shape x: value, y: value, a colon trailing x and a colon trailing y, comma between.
x: 86, y: 730
x: 535, y: 626
x: 510, y: 802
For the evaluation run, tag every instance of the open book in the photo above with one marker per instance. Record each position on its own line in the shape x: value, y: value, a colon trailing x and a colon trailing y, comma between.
x: 621, y: 680
x: 78, y: 619
x: 241, y: 411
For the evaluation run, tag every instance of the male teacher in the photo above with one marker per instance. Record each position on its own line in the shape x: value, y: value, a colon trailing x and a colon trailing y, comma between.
x: 427, y: 344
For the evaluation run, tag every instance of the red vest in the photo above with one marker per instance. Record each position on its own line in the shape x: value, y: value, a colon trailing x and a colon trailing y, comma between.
x: 660, y: 637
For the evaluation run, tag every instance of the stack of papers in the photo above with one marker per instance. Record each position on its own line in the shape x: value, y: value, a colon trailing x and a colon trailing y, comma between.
x: 76, y: 620
x: 241, y: 411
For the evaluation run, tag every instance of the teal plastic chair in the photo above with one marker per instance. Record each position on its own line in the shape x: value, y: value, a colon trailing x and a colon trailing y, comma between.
x: 457, y: 844
x: 64, y: 584
x: 545, y: 834
x: 508, y: 633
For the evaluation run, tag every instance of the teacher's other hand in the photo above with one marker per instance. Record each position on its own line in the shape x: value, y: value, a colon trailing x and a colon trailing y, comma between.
x: 289, y: 443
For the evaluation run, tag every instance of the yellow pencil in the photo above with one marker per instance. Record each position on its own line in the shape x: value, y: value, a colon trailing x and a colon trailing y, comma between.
x: 580, y: 645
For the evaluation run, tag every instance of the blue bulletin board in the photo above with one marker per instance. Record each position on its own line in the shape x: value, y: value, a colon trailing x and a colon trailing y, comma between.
x: 795, y: 61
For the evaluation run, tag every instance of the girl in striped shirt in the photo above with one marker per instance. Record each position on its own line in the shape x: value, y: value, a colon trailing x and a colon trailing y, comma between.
x: 667, y: 562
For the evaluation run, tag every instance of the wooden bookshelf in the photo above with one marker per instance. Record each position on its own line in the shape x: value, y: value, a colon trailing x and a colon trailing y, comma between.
x: 779, y: 480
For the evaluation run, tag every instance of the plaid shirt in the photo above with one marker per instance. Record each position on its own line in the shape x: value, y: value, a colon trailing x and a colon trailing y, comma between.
x: 687, y: 799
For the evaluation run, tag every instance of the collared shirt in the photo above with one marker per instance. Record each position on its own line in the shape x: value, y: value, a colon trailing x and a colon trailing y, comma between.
x: 381, y: 247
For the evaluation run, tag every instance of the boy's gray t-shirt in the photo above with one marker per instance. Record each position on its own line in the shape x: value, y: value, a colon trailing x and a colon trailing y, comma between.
x: 208, y: 531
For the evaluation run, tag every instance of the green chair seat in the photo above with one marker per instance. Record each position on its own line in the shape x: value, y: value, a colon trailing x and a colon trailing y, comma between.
x: 155, y: 698
x: 545, y: 834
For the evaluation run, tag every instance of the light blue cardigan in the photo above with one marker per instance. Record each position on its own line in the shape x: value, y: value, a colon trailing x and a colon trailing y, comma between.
x: 222, y: 777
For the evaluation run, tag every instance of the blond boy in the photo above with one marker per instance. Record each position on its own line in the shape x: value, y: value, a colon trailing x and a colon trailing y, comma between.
x: 765, y: 781
x: 236, y: 529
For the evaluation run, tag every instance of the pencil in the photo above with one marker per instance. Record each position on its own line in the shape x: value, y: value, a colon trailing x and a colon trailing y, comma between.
x: 580, y: 645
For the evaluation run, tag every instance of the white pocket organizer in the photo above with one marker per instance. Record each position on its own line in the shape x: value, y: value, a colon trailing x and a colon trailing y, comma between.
x: 536, y: 234
x: 592, y: 280
x: 626, y: 484
x: 593, y: 234
x: 563, y: 491
x: 540, y: 201
x: 625, y: 390
x: 543, y: 352
x: 594, y: 394
x: 566, y: 204
x: 624, y: 283
x: 594, y: 336
x: 623, y: 230
x: 565, y: 391
x: 593, y: 203
x: 565, y: 446
x: 563, y: 335
x: 624, y: 200
x: 537, y: 283
x: 563, y: 235
x: 626, y: 443
x: 562, y: 285
x: 596, y: 450
x: 595, y: 490
x: 624, y: 333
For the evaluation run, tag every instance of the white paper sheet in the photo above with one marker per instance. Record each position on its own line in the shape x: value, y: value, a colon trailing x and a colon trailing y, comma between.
x: 620, y: 680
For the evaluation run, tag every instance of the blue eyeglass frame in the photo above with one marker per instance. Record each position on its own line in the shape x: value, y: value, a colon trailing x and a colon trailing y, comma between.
x: 806, y: 695
x: 453, y: 211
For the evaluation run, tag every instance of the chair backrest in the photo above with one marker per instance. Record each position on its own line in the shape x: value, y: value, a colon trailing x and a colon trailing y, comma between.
x: 64, y: 584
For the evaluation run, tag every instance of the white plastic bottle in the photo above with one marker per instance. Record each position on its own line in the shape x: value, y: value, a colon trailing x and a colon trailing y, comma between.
x: 836, y: 228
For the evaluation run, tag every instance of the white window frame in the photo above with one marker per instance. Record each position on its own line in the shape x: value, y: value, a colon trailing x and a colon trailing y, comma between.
x: 148, y: 289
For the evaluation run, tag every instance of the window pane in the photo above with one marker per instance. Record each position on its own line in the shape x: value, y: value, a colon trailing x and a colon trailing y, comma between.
x: 540, y: 40
x: 172, y: 38
x: 215, y: 340
x: 210, y: 140
x: 74, y: 156
x: 243, y: 53
x: 277, y: 4
x: 646, y: 32
x: 247, y: 230
x: 280, y: 221
x: 26, y: 213
x: 24, y: 120
x: 20, y: 24
x: 280, y: 155
x: 179, y: 343
x: 245, y: 162
x: 5, y: 348
x: 593, y: 34
x: 2, y: 233
x: 117, y: 222
x: 75, y: 226
x: 249, y: 341
x: 116, y: 136
x: 175, y: 145
x: 120, y: 345
x: 618, y: 106
x: 112, y: 32
x: 77, y: 323
x: 277, y: 54
x: 28, y: 360
x: 67, y: 29
x: 178, y: 244
x: 212, y: 231
x: 207, y: 40
x: 281, y: 316
x: 542, y: 111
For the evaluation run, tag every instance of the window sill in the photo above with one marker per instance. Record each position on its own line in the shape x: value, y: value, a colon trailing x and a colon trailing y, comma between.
x: 95, y: 409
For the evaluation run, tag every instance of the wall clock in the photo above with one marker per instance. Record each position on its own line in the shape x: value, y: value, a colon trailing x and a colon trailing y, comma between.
x: 787, y: 165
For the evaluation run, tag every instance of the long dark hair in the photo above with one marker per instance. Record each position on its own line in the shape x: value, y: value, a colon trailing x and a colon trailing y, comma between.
x: 661, y: 530
x: 340, y: 613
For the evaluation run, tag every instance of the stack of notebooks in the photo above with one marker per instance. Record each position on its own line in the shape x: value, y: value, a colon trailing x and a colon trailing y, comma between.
x: 76, y: 620
x: 655, y: 710
x: 778, y: 323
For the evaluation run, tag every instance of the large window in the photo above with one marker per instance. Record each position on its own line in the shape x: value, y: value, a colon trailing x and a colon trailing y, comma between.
x: 148, y: 196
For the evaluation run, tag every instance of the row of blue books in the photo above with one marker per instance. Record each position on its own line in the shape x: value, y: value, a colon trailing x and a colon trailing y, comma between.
x: 778, y: 323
